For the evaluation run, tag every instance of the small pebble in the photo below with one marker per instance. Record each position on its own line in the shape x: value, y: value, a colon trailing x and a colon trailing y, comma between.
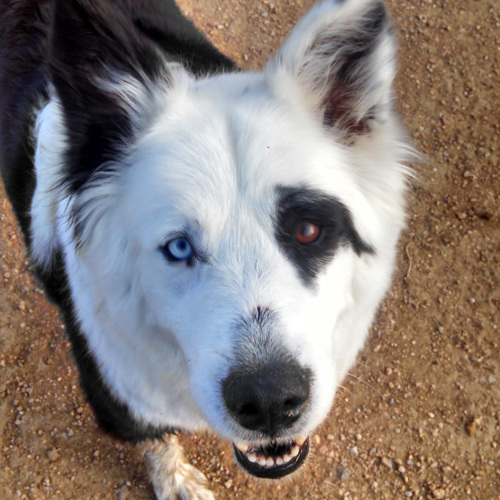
x: 343, y: 473
x: 123, y: 494
x: 53, y: 454
x: 471, y: 427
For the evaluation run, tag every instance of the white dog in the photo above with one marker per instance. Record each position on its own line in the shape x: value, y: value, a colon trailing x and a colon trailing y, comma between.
x: 218, y: 241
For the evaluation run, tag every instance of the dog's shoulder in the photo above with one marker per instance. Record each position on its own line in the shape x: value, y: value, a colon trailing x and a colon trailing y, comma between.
x: 24, y: 29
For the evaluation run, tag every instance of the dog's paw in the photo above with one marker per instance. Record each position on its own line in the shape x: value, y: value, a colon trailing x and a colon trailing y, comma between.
x: 173, y: 478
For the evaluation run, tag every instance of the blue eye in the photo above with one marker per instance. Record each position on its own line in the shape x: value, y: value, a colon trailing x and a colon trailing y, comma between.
x: 178, y: 249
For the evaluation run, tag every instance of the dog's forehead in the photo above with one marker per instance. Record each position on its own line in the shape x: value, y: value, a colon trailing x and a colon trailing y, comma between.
x: 223, y: 148
x: 231, y: 126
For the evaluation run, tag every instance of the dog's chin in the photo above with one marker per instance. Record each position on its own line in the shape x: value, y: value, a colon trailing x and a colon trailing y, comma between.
x: 273, y: 460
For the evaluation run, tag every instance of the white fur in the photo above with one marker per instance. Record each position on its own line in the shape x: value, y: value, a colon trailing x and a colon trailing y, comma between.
x: 49, y: 132
x: 207, y: 159
x: 171, y: 474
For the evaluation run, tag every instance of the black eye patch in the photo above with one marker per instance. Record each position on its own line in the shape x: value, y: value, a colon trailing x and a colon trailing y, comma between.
x: 296, y: 205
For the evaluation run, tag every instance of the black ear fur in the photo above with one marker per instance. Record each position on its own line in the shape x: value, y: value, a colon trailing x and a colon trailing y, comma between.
x: 89, y: 42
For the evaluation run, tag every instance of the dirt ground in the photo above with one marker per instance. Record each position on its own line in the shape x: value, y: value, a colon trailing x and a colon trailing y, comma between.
x: 419, y: 416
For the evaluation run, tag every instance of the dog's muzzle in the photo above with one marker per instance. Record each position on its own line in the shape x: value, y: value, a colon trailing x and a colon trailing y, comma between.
x: 269, y: 401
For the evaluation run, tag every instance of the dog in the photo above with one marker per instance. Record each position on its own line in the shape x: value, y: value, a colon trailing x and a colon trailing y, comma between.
x: 217, y: 241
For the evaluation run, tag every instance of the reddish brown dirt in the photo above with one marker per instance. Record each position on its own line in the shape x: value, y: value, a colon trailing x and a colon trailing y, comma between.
x: 419, y: 416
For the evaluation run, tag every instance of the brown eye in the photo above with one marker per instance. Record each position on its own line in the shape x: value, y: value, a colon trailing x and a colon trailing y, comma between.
x: 306, y: 232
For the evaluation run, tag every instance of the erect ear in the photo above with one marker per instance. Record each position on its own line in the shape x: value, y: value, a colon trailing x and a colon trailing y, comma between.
x: 339, y: 60
x: 102, y: 69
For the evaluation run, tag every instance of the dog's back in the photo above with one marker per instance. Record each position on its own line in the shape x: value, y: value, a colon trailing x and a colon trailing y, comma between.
x: 24, y: 31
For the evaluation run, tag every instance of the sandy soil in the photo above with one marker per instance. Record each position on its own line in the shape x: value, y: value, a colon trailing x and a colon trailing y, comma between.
x: 419, y: 415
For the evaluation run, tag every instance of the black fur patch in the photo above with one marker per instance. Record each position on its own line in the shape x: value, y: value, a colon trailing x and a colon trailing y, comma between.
x: 23, y: 82
x: 336, y: 228
x: 178, y: 38
x: 87, y: 44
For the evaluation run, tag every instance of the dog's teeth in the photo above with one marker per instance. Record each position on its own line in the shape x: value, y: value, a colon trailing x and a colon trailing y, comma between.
x: 287, y: 458
x: 279, y: 461
x: 252, y: 457
x: 269, y: 462
x: 262, y: 461
x: 295, y: 451
x: 301, y: 440
x: 243, y: 447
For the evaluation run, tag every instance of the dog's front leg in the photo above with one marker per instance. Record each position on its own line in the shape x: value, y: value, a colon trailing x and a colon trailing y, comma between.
x: 173, y: 478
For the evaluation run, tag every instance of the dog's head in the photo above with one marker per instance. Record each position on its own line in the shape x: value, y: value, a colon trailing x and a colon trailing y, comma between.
x: 237, y: 230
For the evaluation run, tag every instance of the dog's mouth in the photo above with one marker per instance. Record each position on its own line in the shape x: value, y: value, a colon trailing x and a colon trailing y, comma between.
x: 273, y: 460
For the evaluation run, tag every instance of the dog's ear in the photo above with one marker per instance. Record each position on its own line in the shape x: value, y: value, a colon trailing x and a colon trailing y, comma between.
x: 102, y: 68
x: 340, y: 61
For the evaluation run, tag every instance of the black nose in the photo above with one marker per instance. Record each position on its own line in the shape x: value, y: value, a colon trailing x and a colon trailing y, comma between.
x: 269, y: 399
